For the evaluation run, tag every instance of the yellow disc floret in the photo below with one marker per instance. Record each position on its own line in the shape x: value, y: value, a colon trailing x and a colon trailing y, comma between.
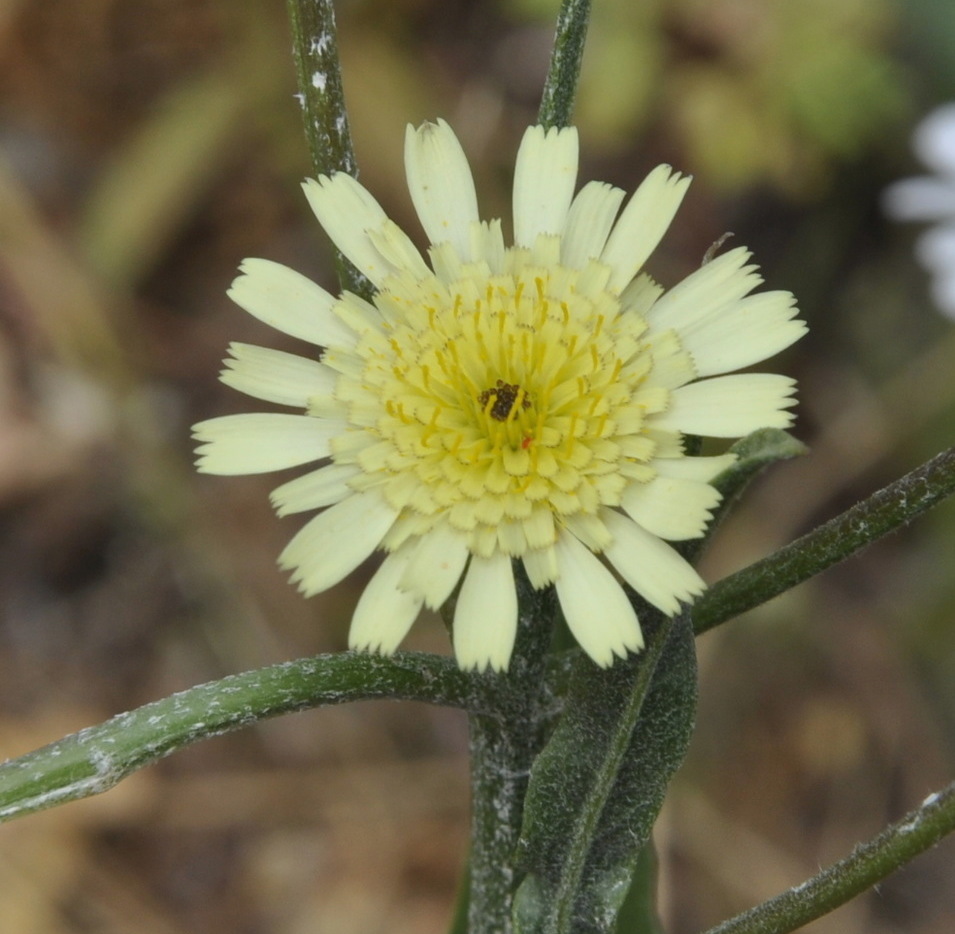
x: 504, y: 406
x: 496, y: 402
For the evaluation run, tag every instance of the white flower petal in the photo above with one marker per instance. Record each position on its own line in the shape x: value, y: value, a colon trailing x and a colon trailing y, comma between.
x: 934, y: 139
x: 588, y: 529
x: 666, y: 443
x: 398, y: 251
x: 485, y: 618
x: 385, y: 612
x: 743, y: 333
x: 545, y: 253
x: 441, y: 185
x: 703, y: 469
x: 643, y: 223
x: 729, y: 406
x: 276, y: 376
x: 323, y: 487
x: 640, y: 295
x: 348, y: 213
x: 360, y: 315
x: 436, y: 565
x: 446, y: 263
x: 597, y: 610
x: 260, y: 442
x: 650, y: 566
x: 935, y: 249
x: 920, y: 199
x: 289, y: 302
x: 705, y: 292
x: 541, y: 566
x: 671, y: 508
x: 943, y: 293
x: 330, y: 546
x: 544, y: 179
x: 589, y: 223
x: 487, y: 244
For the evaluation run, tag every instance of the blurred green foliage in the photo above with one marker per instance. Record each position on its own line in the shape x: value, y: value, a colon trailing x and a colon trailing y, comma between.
x: 747, y: 91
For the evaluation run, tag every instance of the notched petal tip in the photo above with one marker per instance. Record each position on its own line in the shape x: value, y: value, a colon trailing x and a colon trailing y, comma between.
x: 483, y: 665
x: 429, y: 127
x: 370, y: 647
x: 319, y: 181
x: 545, y: 174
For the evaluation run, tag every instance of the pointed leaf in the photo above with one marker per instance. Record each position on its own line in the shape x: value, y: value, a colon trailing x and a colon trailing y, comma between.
x: 597, y: 787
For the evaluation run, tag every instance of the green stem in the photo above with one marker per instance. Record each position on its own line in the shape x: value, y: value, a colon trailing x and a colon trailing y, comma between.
x: 560, y: 88
x: 97, y: 758
x: 888, y: 509
x: 499, y: 769
x: 318, y: 69
x: 504, y: 744
x: 864, y: 867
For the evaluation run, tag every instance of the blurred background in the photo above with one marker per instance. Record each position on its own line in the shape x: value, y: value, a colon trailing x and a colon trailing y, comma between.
x: 146, y: 148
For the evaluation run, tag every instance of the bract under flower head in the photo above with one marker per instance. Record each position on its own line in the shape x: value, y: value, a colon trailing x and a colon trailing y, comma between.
x: 502, y: 402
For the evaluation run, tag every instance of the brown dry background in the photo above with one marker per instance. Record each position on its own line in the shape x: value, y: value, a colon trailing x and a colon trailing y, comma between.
x: 146, y: 147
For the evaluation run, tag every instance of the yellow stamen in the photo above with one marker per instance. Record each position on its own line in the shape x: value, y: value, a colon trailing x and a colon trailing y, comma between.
x: 571, y: 439
x: 518, y: 405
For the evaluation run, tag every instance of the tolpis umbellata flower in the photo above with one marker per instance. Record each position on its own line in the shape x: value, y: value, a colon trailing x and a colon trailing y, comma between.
x: 499, y: 403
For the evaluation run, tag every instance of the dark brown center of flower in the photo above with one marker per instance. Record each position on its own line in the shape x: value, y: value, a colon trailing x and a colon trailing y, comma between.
x: 502, y: 399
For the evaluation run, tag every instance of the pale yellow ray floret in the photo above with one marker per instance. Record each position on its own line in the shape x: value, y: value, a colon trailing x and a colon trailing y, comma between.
x: 544, y: 178
x: 445, y: 201
x: 502, y: 402
x: 261, y: 442
x: 276, y: 376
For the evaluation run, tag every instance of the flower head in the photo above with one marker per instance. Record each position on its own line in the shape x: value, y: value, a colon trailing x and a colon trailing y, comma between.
x: 932, y: 198
x: 502, y: 402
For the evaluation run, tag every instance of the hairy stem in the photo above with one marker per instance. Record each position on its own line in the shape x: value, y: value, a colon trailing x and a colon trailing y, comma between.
x: 319, y: 73
x: 560, y: 88
x: 864, y: 867
x: 95, y: 759
x: 883, y: 512
x: 504, y: 744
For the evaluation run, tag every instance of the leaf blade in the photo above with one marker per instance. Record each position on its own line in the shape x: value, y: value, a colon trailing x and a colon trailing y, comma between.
x: 597, y: 787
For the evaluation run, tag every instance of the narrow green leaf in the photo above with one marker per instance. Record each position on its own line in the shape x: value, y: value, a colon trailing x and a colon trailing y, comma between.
x: 97, y: 758
x: 459, y: 919
x: 754, y: 452
x: 598, y: 785
x: 639, y: 912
